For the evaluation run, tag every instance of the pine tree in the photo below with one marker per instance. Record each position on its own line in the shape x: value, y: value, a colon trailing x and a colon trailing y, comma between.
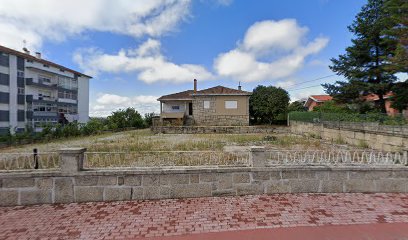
x: 397, y: 17
x: 366, y: 63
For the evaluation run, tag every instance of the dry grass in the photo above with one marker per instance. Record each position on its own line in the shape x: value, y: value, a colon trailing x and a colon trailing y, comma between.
x: 144, y: 140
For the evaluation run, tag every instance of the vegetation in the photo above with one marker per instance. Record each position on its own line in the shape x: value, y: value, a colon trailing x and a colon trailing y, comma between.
x: 380, y: 118
x: 377, y: 53
x: 119, y: 120
x: 400, y: 100
x: 296, y: 106
x: 268, y: 104
x: 331, y: 107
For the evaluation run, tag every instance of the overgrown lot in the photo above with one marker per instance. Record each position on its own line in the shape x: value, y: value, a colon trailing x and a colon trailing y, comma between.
x: 144, y: 140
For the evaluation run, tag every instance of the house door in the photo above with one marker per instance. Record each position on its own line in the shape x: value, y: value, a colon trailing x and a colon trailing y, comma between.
x: 190, y: 109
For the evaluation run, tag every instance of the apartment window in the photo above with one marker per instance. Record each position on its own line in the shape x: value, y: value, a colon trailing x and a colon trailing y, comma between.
x: 20, y: 91
x: 231, y: 104
x: 4, y: 59
x: 4, y: 97
x: 20, y: 73
x: 20, y: 63
x: 206, y: 104
x: 44, y: 79
x: 175, y: 107
x: 4, y: 79
x: 62, y: 70
x: 45, y: 65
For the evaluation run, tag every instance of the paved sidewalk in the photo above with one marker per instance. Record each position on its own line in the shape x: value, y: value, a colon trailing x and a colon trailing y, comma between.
x: 374, y: 231
x: 175, y: 217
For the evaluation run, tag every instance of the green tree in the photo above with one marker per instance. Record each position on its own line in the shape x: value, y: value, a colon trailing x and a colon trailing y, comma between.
x: 296, y: 106
x: 365, y: 63
x: 93, y: 126
x: 331, y: 107
x: 400, y: 99
x: 397, y: 17
x: 266, y: 103
x: 148, y: 118
x: 124, y: 118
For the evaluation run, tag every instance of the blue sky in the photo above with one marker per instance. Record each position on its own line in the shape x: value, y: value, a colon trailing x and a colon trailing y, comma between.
x: 140, y: 50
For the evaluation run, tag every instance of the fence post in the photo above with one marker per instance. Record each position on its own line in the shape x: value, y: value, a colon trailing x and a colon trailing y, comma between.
x: 258, y: 157
x: 72, y: 159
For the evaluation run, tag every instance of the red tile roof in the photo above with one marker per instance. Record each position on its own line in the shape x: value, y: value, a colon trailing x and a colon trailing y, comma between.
x: 321, y: 98
x: 185, y: 95
x: 218, y: 90
x: 43, y: 61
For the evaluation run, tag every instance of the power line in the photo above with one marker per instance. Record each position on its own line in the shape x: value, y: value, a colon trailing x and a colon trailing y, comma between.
x: 289, y: 90
x: 296, y: 84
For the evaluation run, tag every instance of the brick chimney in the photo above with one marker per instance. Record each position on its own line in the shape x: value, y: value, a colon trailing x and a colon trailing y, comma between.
x: 195, y: 85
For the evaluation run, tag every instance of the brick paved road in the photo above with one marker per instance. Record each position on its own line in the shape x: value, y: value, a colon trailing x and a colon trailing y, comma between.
x: 200, y: 215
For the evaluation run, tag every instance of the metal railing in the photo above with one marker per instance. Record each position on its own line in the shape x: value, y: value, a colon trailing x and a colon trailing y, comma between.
x: 337, y: 157
x: 165, y: 159
x: 29, y: 161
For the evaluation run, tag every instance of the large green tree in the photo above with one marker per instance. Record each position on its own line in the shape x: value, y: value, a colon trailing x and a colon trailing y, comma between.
x: 397, y: 17
x: 366, y: 63
x: 400, y: 98
x: 124, y: 118
x: 267, y: 103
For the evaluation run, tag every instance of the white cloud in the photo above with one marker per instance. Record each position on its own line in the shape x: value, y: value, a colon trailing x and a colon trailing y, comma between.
x: 106, y: 103
x: 273, y: 35
x: 53, y: 20
x: 147, y: 60
x: 281, y: 40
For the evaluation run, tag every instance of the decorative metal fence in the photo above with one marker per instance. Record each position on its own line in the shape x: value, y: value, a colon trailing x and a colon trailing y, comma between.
x: 337, y: 157
x: 28, y: 161
x: 165, y: 159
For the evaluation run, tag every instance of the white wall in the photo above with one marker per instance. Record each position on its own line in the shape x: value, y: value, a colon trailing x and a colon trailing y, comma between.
x: 13, y: 92
x: 83, y: 99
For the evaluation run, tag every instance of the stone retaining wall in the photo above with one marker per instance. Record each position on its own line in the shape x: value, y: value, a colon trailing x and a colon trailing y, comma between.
x: 219, y: 129
x: 40, y: 188
x: 74, y: 184
x: 376, y: 140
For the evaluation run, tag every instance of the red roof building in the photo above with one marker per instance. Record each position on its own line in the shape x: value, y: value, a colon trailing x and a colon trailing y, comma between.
x: 316, y: 100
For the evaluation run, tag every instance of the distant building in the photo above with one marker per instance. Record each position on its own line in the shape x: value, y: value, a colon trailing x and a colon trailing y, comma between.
x: 316, y: 100
x: 216, y: 106
x: 34, y: 92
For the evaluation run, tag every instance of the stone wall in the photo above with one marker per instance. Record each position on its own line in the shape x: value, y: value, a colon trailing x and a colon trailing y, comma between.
x: 74, y: 184
x: 209, y: 117
x: 39, y: 188
x: 219, y: 129
x: 385, y: 141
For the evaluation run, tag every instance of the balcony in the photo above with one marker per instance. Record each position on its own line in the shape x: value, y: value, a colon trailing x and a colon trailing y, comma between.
x: 40, y: 83
x: 45, y: 114
x: 43, y: 99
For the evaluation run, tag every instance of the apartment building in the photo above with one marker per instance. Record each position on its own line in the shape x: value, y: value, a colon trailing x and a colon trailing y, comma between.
x: 35, y: 92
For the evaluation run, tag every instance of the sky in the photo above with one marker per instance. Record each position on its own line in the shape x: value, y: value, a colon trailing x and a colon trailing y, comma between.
x: 139, y: 50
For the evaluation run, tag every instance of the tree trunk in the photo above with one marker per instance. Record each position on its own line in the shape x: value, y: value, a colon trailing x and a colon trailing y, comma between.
x: 381, y: 101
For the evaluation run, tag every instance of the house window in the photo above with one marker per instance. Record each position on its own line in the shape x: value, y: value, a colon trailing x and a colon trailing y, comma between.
x: 231, y: 104
x: 175, y: 107
x: 206, y: 104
